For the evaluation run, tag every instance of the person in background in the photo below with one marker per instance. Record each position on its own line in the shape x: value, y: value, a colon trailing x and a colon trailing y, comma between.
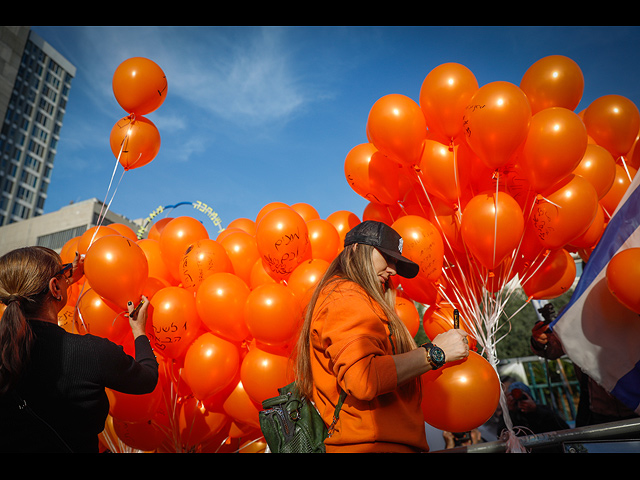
x: 463, y: 439
x: 52, y: 382
x: 596, y: 405
x: 353, y: 341
x: 527, y: 416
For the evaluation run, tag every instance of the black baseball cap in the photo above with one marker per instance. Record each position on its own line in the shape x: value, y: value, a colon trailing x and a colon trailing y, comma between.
x: 385, y: 239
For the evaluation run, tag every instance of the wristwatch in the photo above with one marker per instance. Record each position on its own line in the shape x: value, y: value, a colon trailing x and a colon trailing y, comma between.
x: 435, y: 355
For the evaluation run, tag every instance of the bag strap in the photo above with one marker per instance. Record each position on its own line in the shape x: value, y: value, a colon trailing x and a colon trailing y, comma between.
x: 23, y: 406
x: 331, y: 428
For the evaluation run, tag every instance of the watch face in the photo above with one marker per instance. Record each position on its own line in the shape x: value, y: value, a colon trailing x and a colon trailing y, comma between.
x: 437, y: 355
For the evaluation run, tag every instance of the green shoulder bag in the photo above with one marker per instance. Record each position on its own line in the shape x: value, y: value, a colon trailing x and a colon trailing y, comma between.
x: 290, y: 423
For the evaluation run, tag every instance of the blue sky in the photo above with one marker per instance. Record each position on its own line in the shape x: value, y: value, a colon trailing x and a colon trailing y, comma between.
x: 261, y: 114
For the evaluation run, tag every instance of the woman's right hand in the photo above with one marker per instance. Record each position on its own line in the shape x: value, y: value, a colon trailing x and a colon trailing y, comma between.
x: 138, y: 320
x: 454, y: 343
x: 539, y: 333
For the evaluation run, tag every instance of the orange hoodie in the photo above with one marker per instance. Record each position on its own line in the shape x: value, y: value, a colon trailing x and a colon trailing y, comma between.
x: 351, y: 348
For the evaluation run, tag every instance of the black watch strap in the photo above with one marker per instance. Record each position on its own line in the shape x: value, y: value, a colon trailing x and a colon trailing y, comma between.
x: 435, y: 355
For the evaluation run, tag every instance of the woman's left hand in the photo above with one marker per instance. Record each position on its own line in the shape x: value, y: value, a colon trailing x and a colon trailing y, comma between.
x: 77, y: 269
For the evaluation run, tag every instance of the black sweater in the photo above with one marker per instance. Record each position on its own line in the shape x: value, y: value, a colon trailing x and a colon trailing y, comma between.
x: 65, y: 385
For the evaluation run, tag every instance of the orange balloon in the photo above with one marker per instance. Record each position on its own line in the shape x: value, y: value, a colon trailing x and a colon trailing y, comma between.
x: 157, y: 227
x: 262, y: 373
x: 283, y: 241
x: 267, y: 208
x: 621, y: 182
x: 554, y: 277
x: 324, y: 239
x: 420, y: 289
x: 69, y: 250
x: 633, y: 156
x: 196, y: 425
x: 228, y: 231
x: 157, y: 268
x: 96, y: 317
x: 134, y: 408
x: 210, y: 364
x: 143, y: 436
x: 273, y: 313
x: 497, y: 122
x: 421, y: 243
x: 613, y: 122
x: 124, y: 230
x: 372, y: 175
x: 556, y: 143
x: 242, y: 249
x: 175, y: 239
x: 239, y: 406
x: 598, y: 167
x: 203, y: 258
x: 245, y: 224
x: 152, y: 285
x: 344, y: 221
x: 381, y: 213
x: 445, y: 216
x: 305, y: 277
x: 91, y: 235
x: 439, y: 172
x: 65, y: 317
x: 592, y: 235
x: 565, y: 212
x: 259, y: 275
x: 553, y: 81
x: 306, y: 211
x: 623, y: 277
x: 220, y: 302
x: 409, y: 314
x: 135, y: 142
x: 492, y: 226
x: 446, y: 394
x: 174, y: 321
x: 116, y: 269
x: 444, y: 96
x: 397, y: 128
x: 529, y: 250
x: 139, y: 85
x: 439, y: 319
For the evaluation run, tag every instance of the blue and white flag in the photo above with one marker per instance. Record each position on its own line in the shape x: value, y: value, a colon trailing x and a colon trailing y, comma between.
x: 599, y: 334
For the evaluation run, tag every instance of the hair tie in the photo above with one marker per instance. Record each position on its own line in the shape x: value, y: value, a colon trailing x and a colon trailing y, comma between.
x: 13, y: 298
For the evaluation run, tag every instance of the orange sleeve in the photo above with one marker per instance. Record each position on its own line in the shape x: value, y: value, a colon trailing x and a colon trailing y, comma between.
x: 356, y: 336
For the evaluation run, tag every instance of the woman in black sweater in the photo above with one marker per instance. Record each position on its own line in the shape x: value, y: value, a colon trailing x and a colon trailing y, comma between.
x: 52, y: 382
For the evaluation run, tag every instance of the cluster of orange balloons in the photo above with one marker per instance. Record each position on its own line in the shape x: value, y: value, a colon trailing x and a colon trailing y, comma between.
x: 223, y: 318
x: 506, y: 174
x: 140, y: 87
x: 498, y: 182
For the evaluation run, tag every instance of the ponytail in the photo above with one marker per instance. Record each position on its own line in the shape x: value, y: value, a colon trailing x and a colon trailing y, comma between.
x: 15, y: 345
x: 24, y: 278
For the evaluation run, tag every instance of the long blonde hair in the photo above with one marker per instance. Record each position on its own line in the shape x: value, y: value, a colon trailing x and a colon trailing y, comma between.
x: 24, y: 280
x: 353, y: 264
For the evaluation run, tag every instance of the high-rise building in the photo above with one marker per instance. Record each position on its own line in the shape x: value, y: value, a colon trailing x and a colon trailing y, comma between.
x: 35, y: 81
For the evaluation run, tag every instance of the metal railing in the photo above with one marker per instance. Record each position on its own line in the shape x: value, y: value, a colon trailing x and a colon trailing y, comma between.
x: 622, y: 436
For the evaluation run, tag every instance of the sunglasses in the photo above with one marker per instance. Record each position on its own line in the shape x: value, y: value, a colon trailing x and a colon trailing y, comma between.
x: 66, y: 270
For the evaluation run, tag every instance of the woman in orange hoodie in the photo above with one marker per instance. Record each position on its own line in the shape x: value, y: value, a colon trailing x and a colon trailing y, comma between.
x: 352, y: 340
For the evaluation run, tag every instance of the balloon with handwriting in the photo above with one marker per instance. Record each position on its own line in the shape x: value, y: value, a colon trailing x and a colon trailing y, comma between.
x: 139, y: 85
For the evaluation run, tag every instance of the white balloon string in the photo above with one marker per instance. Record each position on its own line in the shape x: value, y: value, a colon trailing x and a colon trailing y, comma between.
x: 626, y: 168
x: 495, y: 222
x: 482, y: 315
x: 106, y: 205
